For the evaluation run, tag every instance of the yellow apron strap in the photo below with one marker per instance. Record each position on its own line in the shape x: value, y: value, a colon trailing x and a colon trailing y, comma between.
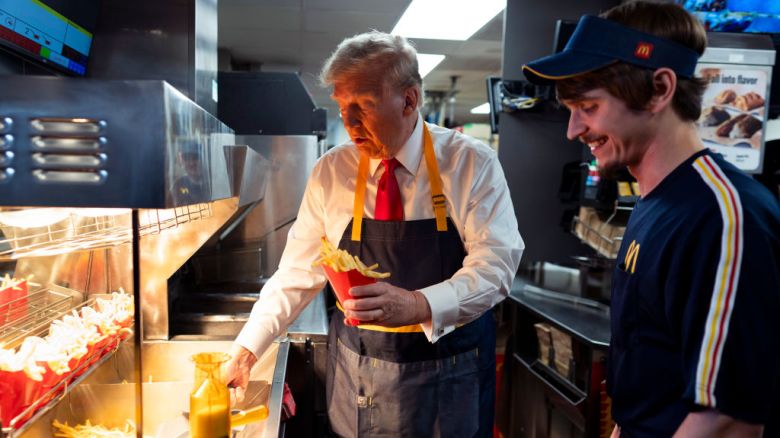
x: 437, y: 195
x: 360, y: 192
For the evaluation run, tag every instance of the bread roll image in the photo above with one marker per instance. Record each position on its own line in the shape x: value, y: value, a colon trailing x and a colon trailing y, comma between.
x: 746, y: 127
x: 725, y: 96
x: 713, y: 116
x: 749, y: 101
x: 724, y: 130
x: 708, y: 74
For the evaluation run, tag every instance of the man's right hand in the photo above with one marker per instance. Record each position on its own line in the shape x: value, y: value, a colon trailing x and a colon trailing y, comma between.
x: 237, y: 371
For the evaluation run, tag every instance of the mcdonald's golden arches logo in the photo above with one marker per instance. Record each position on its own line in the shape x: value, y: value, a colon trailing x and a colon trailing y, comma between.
x: 643, y: 50
x: 629, y: 263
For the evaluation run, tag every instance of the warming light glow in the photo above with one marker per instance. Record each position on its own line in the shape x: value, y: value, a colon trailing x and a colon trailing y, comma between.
x: 446, y: 20
x: 481, y: 109
x: 428, y: 62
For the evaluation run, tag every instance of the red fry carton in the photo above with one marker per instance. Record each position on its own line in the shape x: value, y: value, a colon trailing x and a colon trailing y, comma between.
x: 17, y: 393
x: 342, y: 281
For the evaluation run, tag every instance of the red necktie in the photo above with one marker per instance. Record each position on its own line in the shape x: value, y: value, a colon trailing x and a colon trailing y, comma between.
x: 388, y: 195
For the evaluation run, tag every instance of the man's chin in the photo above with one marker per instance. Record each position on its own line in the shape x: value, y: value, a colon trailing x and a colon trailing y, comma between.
x: 371, y: 151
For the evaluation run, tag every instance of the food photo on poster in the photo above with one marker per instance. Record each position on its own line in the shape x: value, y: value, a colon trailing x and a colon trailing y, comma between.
x: 734, y: 112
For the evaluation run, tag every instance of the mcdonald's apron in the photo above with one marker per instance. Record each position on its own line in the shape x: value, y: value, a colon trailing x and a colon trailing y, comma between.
x: 393, y: 382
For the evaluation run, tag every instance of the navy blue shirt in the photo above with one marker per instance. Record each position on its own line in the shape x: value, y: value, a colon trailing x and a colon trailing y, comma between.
x: 696, y: 301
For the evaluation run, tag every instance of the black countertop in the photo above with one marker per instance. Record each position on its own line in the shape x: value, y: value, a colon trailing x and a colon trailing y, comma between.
x: 585, y: 319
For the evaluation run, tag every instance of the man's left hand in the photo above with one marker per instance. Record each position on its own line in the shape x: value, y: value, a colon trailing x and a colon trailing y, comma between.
x: 386, y: 305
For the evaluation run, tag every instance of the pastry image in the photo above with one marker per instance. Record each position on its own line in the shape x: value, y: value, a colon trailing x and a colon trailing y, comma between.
x: 714, y: 116
x: 708, y: 74
x: 746, y: 127
x: 724, y: 130
x: 725, y: 96
x: 749, y: 101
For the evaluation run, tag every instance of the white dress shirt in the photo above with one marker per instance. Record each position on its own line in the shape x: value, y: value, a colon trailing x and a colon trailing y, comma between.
x: 478, y: 203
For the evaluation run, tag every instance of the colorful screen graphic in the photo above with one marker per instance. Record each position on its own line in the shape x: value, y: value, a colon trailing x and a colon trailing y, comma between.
x: 45, y: 34
x: 759, y: 16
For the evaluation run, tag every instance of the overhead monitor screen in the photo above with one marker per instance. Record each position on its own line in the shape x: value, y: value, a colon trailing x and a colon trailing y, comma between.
x: 38, y: 31
x: 757, y: 16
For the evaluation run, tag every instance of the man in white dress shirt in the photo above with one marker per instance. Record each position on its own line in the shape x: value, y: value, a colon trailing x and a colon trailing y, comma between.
x: 422, y: 360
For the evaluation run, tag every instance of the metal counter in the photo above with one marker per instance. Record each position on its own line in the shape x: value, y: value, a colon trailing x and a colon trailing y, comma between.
x: 585, y: 319
x: 545, y: 397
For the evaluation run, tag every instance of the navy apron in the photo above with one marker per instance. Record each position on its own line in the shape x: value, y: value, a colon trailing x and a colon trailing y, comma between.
x: 392, y: 382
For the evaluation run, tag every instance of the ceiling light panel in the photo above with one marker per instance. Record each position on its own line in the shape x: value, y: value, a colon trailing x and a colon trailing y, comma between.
x: 446, y: 19
x: 428, y: 62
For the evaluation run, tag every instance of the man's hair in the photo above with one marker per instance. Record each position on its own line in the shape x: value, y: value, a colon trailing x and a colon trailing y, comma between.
x: 634, y: 85
x: 390, y: 56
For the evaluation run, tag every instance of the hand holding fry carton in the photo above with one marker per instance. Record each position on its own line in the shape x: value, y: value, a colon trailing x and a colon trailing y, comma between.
x: 345, y: 271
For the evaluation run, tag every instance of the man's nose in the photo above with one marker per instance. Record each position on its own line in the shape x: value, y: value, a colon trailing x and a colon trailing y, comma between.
x: 351, y: 118
x: 576, y: 126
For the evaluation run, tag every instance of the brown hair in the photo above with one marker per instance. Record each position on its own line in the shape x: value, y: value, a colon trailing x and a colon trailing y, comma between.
x: 633, y: 84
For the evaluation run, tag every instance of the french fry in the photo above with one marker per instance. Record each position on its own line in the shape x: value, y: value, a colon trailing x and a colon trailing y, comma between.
x: 89, y: 430
x: 342, y: 261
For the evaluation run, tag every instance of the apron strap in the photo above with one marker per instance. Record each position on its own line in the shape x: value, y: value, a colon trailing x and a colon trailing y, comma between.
x: 437, y: 195
x: 360, y: 192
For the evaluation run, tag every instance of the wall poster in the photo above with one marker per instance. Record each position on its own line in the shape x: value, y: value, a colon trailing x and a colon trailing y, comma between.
x: 734, y: 112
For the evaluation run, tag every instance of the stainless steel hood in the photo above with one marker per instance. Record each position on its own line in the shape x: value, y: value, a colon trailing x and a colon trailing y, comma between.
x: 108, y: 143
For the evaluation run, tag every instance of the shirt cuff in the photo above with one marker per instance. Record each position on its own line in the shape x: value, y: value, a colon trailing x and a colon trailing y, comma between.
x: 255, y: 338
x: 444, y: 310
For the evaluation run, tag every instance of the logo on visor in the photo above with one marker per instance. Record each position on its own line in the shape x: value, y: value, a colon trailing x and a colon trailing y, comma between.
x: 643, y: 50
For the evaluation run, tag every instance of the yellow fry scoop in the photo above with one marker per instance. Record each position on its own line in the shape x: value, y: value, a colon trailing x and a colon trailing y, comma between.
x: 251, y: 415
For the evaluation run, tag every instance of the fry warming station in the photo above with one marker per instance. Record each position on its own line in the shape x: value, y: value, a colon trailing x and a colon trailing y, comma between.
x: 110, y: 186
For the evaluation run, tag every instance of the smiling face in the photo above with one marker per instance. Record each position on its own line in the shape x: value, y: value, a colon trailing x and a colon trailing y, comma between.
x: 378, y: 117
x: 616, y: 135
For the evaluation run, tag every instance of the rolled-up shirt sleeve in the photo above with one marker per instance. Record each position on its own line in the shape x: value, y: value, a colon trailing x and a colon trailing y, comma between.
x: 493, y: 250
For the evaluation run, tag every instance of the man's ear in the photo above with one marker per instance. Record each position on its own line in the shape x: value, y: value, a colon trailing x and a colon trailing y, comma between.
x: 411, y: 98
x: 664, y: 86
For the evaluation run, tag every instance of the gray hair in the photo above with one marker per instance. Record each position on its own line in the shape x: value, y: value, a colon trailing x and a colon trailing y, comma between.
x: 392, y: 55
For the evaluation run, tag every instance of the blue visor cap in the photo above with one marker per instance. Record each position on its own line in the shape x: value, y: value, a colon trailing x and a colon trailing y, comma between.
x: 598, y: 42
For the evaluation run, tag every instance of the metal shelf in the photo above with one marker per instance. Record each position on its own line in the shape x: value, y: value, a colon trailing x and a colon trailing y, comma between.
x: 600, y: 235
x: 79, y: 232
x: 31, y: 315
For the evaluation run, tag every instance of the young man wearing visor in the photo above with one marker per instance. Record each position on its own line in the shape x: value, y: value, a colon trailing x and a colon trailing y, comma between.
x: 695, y: 301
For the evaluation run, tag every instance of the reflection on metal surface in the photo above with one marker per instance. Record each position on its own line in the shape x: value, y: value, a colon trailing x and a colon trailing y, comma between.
x: 291, y: 158
x: 6, y: 158
x: 69, y: 234
x: 78, y: 126
x: 163, y: 150
x: 54, y: 231
x: 67, y: 144
x: 107, y: 404
x: 6, y: 141
x: 6, y: 123
x: 6, y: 175
x: 59, y: 176
x: 62, y: 161
x: 164, y: 253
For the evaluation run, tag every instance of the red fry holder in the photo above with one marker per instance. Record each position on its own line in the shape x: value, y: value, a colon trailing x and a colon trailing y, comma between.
x: 342, y: 281
x: 13, y: 302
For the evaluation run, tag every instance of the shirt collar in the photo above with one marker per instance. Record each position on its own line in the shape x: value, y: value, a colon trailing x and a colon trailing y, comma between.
x: 411, y: 152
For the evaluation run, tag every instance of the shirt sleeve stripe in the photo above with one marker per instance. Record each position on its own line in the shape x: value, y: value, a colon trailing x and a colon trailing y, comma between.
x: 726, y: 280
